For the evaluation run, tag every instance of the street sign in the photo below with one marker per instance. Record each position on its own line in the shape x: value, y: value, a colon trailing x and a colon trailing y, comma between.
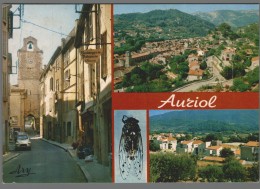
x: 91, y: 56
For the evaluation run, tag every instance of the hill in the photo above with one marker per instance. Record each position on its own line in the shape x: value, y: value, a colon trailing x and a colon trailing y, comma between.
x: 233, y: 18
x: 163, y: 24
x: 206, y: 121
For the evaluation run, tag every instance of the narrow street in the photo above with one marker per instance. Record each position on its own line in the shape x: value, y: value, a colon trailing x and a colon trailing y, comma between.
x: 45, y: 163
x: 213, y: 81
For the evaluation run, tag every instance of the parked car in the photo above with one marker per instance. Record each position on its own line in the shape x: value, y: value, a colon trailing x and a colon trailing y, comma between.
x: 22, y: 141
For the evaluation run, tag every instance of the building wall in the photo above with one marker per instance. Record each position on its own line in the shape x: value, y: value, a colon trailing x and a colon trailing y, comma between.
x: 17, y: 108
x: 5, y: 78
x: 249, y: 153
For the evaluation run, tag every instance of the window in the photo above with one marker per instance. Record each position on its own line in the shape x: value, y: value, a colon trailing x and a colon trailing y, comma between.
x: 69, y: 129
x: 67, y: 57
x: 51, y: 84
x: 104, y: 55
x: 67, y: 79
x: 57, y: 85
x: 89, y: 32
x: 92, y: 75
x: 5, y: 43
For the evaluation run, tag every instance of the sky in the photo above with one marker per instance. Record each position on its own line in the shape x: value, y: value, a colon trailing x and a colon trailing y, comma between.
x: 188, y: 8
x: 141, y: 116
x: 60, y: 18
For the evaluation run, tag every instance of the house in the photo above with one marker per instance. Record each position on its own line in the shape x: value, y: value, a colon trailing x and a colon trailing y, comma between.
x: 168, y: 144
x: 228, y: 53
x: 184, y: 147
x: 195, y: 74
x: 200, y: 52
x: 202, y: 147
x: 213, y: 150
x: 194, y: 65
x: 192, y: 57
x: 254, y: 62
x: 250, y: 151
x: 195, y: 146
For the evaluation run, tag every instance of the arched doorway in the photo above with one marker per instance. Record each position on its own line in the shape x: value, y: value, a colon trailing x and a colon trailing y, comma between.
x: 29, y: 124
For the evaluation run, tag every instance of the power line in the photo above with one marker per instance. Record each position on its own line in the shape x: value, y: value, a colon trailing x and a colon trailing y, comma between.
x: 25, y: 21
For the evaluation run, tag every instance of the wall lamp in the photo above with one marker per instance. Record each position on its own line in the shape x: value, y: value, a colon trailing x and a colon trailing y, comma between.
x: 68, y: 78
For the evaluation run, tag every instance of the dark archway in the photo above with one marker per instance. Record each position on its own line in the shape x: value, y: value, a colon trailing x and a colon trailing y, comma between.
x: 30, y: 124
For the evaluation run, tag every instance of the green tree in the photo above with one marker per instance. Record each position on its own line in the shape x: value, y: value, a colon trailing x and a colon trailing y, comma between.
x: 203, y: 65
x: 213, y: 136
x: 253, y: 172
x: 227, y: 72
x: 154, y: 146
x: 167, y: 167
x: 239, y: 85
x: 211, y: 173
x: 226, y: 152
x: 253, y: 76
x: 234, y: 171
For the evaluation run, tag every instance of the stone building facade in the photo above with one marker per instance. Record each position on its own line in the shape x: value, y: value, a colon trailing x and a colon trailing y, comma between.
x: 94, y: 102
x: 6, y: 66
x: 29, y: 71
x: 80, y: 96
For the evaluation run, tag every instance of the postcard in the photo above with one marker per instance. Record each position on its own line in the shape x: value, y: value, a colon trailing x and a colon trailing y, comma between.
x: 130, y: 93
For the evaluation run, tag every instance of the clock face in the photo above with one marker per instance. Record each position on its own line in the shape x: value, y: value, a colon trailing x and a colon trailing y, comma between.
x: 30, y: 61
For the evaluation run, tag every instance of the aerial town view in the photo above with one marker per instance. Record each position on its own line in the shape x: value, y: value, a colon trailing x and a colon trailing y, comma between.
x: 206, y: 148
x: 186, y: 48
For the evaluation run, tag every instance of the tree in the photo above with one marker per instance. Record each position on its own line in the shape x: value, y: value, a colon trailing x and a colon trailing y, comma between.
x: 239, y: 85
x: 212, y: 173
x: 227, y: 72
x: 253, y: 172
x: 167, y: 167
x: 154, y: 146
x: 203, y: 65
x: 213, y: 136
x: 226, y: 152
x: 234, y: 171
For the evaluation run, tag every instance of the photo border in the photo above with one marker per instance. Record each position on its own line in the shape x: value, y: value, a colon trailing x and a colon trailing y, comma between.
x: 148, y: 185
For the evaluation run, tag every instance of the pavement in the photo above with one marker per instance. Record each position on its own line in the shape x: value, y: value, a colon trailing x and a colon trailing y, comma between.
x: 93, y: 171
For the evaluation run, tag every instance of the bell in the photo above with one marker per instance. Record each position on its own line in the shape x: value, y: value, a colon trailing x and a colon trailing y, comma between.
x: 30, y: 46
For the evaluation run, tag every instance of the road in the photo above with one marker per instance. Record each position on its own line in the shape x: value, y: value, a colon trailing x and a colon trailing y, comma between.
x: 45, y: 163
x: 217, y: 77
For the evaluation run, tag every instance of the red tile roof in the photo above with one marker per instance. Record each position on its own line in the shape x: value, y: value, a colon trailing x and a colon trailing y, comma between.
x: 197, y: 72
x: 252, y: 144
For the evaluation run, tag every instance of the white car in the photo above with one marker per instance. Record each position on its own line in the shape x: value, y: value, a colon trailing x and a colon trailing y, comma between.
x: 22, y: 142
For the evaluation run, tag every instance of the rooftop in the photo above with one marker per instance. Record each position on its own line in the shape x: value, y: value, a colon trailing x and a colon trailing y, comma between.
x: 213, y: 158
x: 252, y: 144
x: 214, y: 147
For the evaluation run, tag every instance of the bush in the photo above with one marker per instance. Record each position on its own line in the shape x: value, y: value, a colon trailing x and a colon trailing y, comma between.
x: 166, y: 167
x: 211, y: 173
x: 234, y: 171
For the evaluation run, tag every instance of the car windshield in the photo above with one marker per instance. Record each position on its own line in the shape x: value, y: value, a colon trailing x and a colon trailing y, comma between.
x: 22, y: 137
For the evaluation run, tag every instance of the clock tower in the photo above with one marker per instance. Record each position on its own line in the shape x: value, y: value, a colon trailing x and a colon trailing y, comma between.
x: 29, y: 71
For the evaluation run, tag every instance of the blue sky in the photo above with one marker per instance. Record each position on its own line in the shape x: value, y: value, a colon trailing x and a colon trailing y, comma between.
x: 60, y: 18
x: 188, y: 8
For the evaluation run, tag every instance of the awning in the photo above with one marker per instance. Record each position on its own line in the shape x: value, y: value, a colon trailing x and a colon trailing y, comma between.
x: 87, y: 106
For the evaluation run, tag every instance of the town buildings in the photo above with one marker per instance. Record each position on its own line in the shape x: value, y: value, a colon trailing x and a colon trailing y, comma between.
x: 76, y: 85
x: 250, y: 151
x: 208, y: 150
